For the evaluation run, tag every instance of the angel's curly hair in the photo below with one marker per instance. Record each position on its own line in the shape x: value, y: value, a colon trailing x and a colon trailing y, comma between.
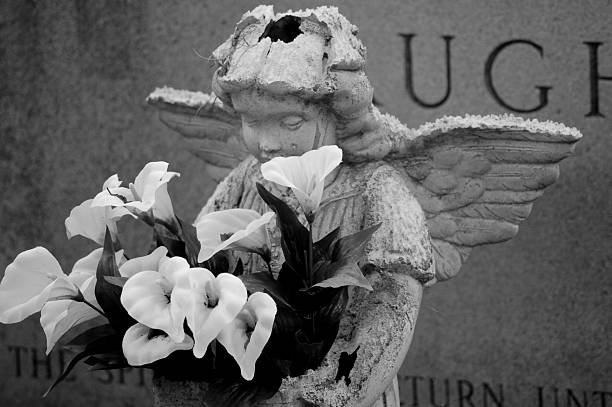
x: 327, y: 62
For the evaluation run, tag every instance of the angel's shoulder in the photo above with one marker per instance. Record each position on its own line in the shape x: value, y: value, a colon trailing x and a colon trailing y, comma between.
x: 383, y: 180
x: 401, y: 242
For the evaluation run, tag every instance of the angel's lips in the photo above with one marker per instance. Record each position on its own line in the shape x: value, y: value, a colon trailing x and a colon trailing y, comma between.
x: 264, y: 157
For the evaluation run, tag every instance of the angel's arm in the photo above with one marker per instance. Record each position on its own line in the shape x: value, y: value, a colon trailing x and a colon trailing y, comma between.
x: 381, y: 322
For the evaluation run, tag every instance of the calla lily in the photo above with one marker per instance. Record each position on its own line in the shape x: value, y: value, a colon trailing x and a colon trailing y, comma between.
x: 209, y: 302
x: 59, y: 316
x: 145, y: 297
x: 239, y: 229
x: 138, y: 264
x: 257, y: 315
x: 143, y: 345
x: 305, y: 174
x: 28, y: 282
x: 148, y: 192
x: 91, y: 221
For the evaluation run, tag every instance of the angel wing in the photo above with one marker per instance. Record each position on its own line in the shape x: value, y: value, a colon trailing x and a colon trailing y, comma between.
x: 211, y: 130
x: 477, y: 178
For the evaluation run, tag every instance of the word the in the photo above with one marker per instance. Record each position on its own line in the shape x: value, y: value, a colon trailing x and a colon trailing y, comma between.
x: 31, y: 363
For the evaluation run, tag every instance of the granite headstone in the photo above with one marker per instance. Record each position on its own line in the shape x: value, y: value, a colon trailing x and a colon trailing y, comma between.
x: 526, y: 323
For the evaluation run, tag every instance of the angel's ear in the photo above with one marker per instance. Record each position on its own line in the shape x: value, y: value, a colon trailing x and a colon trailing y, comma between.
x: 211, y: 130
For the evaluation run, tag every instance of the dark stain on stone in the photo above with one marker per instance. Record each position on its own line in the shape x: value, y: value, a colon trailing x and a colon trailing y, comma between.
x: 345, y: 365
x: 285, y: 29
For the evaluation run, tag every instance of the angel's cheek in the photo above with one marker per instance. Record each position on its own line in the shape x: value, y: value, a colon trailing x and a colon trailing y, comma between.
x: 251, y: 139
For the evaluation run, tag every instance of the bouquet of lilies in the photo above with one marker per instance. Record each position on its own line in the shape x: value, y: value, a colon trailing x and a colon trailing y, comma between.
x: 170, y: 309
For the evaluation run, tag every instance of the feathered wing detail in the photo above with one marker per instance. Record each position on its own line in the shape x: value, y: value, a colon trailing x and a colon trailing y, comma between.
x: 476, y: 177
x: 211, y: 129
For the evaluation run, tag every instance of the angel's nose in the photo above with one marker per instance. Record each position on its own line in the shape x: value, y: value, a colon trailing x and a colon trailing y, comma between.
x: 269, y: 144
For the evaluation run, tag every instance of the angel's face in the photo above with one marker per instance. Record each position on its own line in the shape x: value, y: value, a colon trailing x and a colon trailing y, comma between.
x: 274, y: 126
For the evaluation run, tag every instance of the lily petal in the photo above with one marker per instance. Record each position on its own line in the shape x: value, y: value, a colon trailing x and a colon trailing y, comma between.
x: 149, y: 262
x: 58, y: 317
x: 305, y: 174
x: 245, y: 227
x: 162, y: 208
x: 145, y: 297
x: 86, y: 267
x: 92, y: 221
x: 149, y: 191
x: 27, y: 283
x: 142, y: 345
x: 232, y: 296
x: 147, y: 182
x: 258, y: 313
x: 209, y: 303
x: 113, y: 196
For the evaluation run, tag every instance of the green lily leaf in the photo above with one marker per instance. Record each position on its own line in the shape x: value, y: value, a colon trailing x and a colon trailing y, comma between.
x: 164, y: 237
x: 117, y: 281
x: 79, y: 334
x: 107, y: 294
x: 239, y: 269
x: 334, y: 309
x: 294, y: 236
x: 345, y: 275
x: 350, y: 248
x: 107, y: 361
x: 187, y: 233
x: 98, y: 346
x: 323, y: 248
x: 265, y: 283
x: 91, y: 334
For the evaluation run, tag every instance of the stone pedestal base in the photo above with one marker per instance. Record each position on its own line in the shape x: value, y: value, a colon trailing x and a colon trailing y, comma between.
x: 168, y: 393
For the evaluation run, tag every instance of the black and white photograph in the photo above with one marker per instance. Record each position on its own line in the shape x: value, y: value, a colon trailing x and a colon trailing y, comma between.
x: 306, y: 204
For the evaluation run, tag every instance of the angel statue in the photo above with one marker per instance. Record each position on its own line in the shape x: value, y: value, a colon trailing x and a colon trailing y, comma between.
x: 291, y: 82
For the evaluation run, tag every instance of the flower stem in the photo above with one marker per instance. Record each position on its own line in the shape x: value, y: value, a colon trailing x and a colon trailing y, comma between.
x: 310, y: 276
x: 95, y: 308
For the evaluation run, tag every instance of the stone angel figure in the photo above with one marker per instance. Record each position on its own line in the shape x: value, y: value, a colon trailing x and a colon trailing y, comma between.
x: 288, y: 83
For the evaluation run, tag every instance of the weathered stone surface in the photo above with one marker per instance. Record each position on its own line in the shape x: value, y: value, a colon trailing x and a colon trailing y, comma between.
x: 465, y: 154
x: 528, y: 313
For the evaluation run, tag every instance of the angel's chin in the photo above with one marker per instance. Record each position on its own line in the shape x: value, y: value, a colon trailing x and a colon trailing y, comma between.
x: 267, y: 157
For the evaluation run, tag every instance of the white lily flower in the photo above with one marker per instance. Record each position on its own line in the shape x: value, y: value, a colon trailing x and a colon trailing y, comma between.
x: 149, y: 191
x: 59, y: 316
x: 209, y: 302
x: 28, y: 282
x: 239, y: 229
x: 91, y: 221
x: 256, y: 316
x: 143, y: 345
x: 138, y: 264
x: 146, y: 296
x: 305, y: 174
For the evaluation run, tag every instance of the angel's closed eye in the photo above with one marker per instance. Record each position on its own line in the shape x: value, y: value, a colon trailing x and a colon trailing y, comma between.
x: 292, y: 122
x: 250, y: 121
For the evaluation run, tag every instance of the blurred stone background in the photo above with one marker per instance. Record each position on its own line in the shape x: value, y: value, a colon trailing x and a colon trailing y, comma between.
x: 527, y: 323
